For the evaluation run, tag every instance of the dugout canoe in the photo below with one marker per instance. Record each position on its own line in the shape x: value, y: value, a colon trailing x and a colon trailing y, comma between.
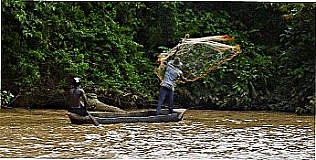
x: 140, y: 116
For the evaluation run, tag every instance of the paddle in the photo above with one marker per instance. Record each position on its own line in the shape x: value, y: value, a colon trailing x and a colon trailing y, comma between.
x: 94, y: 121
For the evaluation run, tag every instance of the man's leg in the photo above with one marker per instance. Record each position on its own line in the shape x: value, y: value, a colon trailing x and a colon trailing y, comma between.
x: 170, y: 107
x: 162, y: 95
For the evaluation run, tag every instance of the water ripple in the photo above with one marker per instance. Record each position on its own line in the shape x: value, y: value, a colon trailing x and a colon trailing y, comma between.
x: 211, y: 135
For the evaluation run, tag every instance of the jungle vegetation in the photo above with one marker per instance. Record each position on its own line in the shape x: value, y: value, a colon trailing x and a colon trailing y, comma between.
x: 113, y: 47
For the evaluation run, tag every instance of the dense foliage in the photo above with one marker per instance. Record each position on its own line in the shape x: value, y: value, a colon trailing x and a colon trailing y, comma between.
x: 113, y: 47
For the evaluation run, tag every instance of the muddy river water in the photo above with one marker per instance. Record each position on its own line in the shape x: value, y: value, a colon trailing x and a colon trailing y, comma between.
x: 203, y: 134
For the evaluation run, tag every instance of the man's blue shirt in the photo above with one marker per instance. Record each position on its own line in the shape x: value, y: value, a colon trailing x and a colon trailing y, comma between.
x: 171, y: 75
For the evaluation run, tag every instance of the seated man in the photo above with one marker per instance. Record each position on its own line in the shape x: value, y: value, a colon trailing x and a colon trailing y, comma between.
x: 75, y: 105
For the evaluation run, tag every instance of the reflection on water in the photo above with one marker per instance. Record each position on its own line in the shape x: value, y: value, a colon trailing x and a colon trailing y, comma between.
x: 202, y: 134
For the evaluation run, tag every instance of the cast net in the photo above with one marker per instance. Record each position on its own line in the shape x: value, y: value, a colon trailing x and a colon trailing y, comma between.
x: 200, y: 56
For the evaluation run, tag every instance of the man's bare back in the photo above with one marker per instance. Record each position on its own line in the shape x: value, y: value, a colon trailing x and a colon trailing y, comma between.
x: 75, y: 98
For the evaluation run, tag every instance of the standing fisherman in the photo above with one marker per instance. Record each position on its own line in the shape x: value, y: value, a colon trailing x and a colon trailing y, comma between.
x: 168, y: 84
x: 75, y: 104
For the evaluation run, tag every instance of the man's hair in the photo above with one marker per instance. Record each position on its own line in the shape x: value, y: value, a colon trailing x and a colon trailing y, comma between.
x: 177, y: 62
x: 76, y: 81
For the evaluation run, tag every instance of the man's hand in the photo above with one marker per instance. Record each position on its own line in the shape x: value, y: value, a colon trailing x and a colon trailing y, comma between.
x: 184, y: 79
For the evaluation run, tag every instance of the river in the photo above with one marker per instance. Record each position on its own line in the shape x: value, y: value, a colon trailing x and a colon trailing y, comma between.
x: 202, y: 134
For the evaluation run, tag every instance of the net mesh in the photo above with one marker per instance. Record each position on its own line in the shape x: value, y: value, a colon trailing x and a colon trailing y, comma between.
x: 199, y: 56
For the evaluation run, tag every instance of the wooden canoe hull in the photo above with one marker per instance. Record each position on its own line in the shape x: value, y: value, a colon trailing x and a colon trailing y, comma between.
x: 142, y: 116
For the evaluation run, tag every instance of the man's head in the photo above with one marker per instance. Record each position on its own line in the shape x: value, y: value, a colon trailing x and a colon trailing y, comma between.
x: 76, y: 81
x: 177, y: 62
